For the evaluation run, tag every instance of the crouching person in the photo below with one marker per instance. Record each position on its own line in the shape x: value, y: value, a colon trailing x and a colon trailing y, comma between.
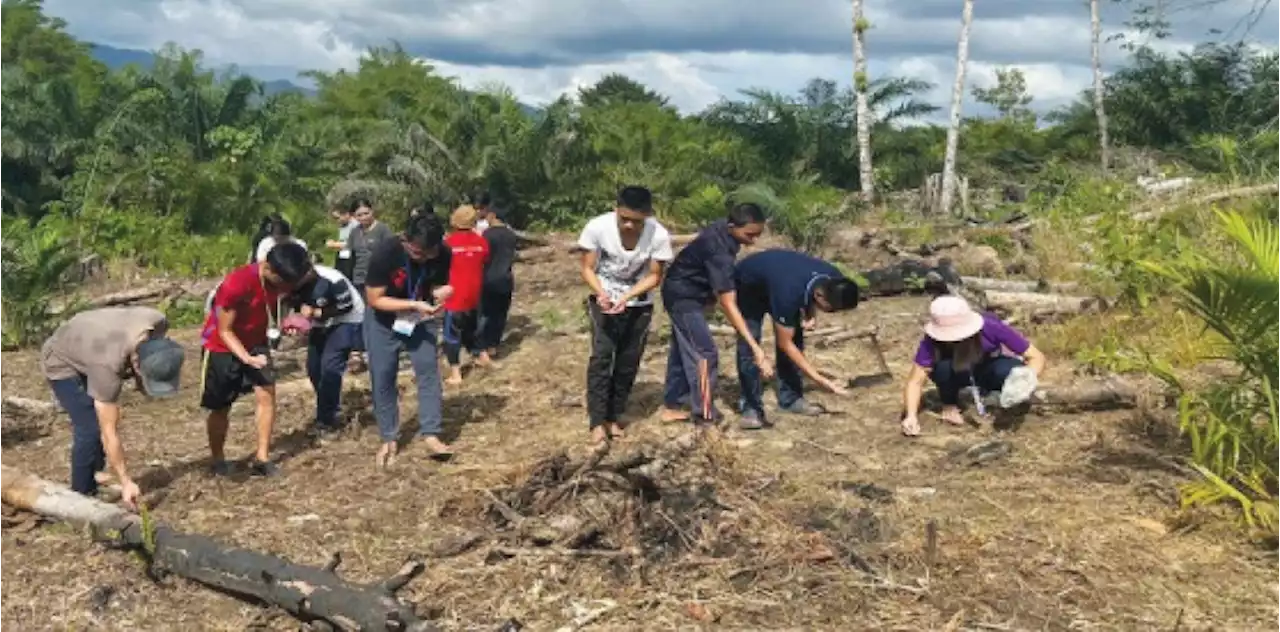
x: 332, y: 314
x: 791, y: 287
x: 242, y: 328
x: 86, y: 362
x: 962, y: 348
x: 407, y: 279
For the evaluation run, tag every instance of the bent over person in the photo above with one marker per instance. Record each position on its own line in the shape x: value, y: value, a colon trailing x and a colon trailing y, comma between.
x: 239, y: 334
x: 333, y: 316
x: 962, y: 348
x: 701, y: 276
x: 624, y: 255
x: 408, y: 279
x: 86, y: 362
x: 791, y: 287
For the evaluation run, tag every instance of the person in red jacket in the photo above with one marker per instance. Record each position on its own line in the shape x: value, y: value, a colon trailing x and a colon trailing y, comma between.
x: 466, y: 276
x: 243, y: 326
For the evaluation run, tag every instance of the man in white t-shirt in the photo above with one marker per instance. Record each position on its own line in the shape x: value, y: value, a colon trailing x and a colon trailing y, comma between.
x: 625, y: 254
x: 332, y: 310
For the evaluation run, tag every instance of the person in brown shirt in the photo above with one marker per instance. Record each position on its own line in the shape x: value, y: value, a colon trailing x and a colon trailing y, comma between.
x: 86, y: 362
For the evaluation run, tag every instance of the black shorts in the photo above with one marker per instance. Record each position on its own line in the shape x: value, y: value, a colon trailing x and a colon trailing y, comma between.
x: 224, y: 378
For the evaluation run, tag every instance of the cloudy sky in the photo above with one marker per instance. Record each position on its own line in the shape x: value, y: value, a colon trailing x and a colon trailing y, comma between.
x: 695, y: 51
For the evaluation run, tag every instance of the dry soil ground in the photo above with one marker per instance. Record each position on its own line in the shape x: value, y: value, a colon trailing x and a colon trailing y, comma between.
x: 1074, y: 530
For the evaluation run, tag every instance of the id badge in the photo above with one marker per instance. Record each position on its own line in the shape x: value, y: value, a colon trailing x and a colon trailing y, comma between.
x: 405, y: 324
x: 344, y: 254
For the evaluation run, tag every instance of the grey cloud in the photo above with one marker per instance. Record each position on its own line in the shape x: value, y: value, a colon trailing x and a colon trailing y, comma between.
x: 542, y: 33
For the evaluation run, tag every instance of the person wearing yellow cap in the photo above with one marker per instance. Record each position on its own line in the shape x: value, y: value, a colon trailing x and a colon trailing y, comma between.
x: 470, y: 253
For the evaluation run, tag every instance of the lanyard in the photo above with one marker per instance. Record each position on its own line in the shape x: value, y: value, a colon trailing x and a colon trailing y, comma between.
x: 977, y: 397
x: 266, y: 305
x: 414, y: 283
x: 808, y: 288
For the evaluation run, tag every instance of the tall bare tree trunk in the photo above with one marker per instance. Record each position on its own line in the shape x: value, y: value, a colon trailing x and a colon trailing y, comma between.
x: 957, y: 99
x: 861, y: 82
x: 1098, y: 96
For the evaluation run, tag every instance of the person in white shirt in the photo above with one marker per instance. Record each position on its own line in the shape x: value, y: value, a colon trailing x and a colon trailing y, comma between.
x: 625, y: 254
x: 332, y: 311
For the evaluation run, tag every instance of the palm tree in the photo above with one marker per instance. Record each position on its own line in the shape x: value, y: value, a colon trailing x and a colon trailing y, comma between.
x: 1099, y: 96
x: 957, y: 99
x: 1234, y: 424
x: 866, y: 173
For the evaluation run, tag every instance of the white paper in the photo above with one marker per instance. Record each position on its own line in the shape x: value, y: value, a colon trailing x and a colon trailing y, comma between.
x: 405, y: 323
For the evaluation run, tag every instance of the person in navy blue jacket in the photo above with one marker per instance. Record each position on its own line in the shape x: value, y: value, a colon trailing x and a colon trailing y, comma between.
x: 791, y: 287
x: 700, y: 276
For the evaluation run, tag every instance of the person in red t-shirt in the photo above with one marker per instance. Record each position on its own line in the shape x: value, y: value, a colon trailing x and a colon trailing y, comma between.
x: 242, y: 327
x: 470, y: 253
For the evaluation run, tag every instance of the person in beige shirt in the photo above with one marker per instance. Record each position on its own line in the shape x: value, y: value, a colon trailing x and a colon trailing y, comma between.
x: 87, y: 361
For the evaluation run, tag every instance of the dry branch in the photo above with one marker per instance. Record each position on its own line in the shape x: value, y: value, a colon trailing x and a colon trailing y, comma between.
x: 848, y: 334
x: 306, y: 592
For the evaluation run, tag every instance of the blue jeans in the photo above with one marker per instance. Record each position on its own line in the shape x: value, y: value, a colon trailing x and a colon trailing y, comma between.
x: 383, y: 347
x: 327, y: 351
x: 87, y: 456
x: 692, y: 363
x: 790, y: 380
x: 988, y: 375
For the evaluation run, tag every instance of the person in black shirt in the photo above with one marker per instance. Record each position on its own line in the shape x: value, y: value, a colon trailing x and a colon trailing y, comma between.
x: 499, y: 281
x: 405, y: 287
x: 702, y: 275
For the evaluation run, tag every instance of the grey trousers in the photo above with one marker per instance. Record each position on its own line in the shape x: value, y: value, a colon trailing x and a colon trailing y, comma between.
x: 383, y: 347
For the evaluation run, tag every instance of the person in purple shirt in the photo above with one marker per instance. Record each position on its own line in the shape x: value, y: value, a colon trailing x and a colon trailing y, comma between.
x: 964, y: 348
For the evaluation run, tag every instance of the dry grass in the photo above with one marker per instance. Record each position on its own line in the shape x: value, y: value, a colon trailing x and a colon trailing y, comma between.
x: 767, y: 530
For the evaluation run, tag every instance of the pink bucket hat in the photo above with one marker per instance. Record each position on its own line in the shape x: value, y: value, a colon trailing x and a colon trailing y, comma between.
x: 951, y: 319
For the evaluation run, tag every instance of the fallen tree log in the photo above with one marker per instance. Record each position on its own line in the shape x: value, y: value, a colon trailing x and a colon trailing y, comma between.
x: 536, y: 254
x: 1110, y: 393
x: 28, y: 406
x: 1106, y: 393
x: 1043, y: 305
x: 307, y: 592
x: 1011, y: 285
x: 848, y: 334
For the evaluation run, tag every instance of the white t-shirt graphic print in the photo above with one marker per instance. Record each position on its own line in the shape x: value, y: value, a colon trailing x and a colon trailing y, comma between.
x: 620, y: 269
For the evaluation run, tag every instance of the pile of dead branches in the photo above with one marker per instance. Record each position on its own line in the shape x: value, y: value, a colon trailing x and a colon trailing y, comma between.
x: 653, y: 502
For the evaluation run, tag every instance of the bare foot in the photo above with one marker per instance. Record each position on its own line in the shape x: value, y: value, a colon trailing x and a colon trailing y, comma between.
x: 386, y: 454
x: 455, y: 378
x: 952, y: 415
x: 671, y: 415
x: 599, y: 435
x: 483, y: 360
x: 615, y: 431
x: 438, y: 448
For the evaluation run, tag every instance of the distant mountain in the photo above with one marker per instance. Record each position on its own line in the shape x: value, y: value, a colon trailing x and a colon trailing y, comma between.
x: 272, y: 77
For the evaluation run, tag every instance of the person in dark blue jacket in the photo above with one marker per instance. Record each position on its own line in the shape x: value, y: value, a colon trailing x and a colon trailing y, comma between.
x: 701, y: 276
x: 791, y: 287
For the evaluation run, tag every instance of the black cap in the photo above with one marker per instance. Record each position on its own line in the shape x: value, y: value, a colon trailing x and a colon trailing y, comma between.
x: 160, y: 366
